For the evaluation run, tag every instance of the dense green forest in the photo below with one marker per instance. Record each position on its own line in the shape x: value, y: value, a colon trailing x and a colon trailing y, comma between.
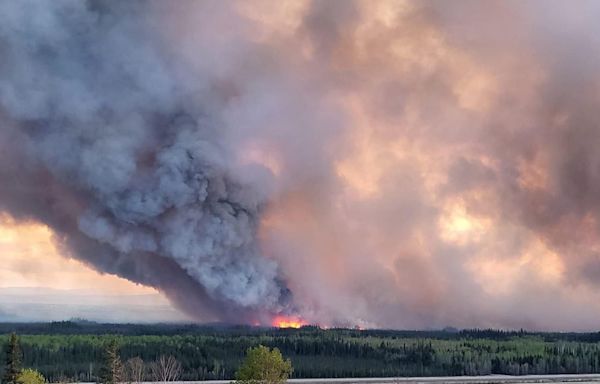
x: 73, y: 350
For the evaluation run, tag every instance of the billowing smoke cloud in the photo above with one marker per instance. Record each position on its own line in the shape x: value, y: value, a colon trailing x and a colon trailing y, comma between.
x: 391, y: 164
x: 102, y: 143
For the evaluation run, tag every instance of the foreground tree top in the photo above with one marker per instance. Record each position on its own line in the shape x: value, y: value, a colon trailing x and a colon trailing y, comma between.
x: 264, y: 365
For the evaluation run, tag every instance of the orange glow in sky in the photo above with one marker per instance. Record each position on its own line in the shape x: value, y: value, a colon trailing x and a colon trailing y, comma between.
x: 30, y: 258
x: 40, y: 282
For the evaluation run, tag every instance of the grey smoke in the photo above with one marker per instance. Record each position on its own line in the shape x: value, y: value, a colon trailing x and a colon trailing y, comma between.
x: 252, y: 158
x: 101, y: 142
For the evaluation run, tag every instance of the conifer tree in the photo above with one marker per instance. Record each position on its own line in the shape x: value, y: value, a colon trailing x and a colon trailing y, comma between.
x: 112, y: 370
x: 12, y: 369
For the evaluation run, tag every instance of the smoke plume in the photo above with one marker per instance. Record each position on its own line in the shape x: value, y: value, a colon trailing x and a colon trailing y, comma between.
x: 375, y: 163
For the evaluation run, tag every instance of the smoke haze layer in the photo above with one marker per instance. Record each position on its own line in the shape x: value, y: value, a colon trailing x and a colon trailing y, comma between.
x: 382, y: 163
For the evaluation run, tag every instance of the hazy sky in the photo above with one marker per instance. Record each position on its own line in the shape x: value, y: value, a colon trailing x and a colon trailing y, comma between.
x: 404, y: 164
x: 38, y: 283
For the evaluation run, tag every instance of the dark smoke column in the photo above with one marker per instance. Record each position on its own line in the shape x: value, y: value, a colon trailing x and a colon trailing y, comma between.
x: 102, y: 140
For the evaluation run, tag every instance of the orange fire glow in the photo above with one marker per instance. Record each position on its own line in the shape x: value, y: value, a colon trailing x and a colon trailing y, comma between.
x: 288, y: 322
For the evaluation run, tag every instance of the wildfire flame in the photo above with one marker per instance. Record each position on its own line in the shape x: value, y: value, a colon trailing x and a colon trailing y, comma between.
x: 288, y: 322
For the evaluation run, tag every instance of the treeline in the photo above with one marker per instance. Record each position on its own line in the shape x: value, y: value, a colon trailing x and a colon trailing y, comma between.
x: 71, y: 351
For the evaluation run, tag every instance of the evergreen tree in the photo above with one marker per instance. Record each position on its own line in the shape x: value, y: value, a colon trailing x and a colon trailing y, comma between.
x: 12, y: 369
x: 112, y: 369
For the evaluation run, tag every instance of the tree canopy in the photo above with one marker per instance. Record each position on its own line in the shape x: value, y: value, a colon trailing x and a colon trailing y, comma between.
x: 67, y: 352
x: 31, y: 376
x: 264, y: 365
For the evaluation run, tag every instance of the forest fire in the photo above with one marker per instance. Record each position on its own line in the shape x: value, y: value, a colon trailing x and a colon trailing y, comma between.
x: 288, y: 322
